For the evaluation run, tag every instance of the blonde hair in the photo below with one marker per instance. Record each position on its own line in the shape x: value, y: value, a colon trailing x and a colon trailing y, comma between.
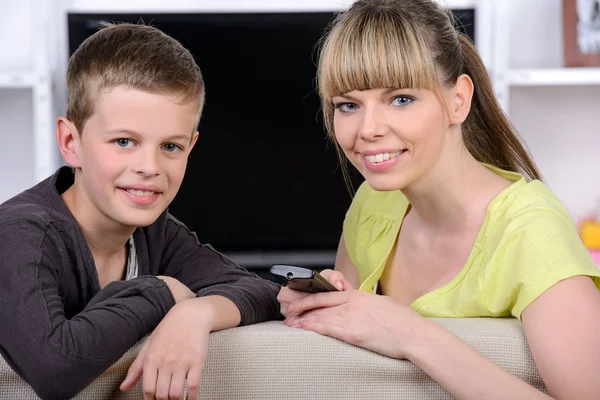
x: 414, y: 44
x: 136, y: 55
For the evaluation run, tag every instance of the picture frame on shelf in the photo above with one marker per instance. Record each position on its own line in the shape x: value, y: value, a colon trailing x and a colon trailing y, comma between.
x: 581, y: 33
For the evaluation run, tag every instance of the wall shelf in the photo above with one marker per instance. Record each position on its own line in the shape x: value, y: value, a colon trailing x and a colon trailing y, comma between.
x: 17, y: 80
x: 44, y: 158
x: 554, y: 77
x: 228, y: 5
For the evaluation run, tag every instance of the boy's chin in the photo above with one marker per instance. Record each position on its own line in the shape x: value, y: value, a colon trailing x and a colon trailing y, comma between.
x: 138, y: 219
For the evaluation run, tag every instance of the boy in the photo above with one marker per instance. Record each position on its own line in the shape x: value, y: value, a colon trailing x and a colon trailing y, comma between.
x: 90, y: 259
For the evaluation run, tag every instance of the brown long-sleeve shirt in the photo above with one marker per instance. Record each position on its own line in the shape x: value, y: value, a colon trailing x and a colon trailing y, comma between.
x: 59, y: 329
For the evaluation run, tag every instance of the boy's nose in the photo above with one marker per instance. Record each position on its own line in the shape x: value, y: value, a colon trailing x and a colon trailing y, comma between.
x: 147, y: 164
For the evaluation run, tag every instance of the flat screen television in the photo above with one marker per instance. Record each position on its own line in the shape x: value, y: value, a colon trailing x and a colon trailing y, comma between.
x: 263, y: 184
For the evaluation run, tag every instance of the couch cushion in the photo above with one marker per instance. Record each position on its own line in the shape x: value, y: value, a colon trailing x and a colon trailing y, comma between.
x: 272, y: 361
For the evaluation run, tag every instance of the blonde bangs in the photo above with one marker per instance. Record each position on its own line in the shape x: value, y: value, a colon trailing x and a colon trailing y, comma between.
x: 372, y: 51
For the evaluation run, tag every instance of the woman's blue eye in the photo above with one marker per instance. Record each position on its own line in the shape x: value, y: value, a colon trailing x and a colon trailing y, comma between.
x: 124, y: 143
x: 345, y: 107
x: 402, y: 100
x: 172, y: 147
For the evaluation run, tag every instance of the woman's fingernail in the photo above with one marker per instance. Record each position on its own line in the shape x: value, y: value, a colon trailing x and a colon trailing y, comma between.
x: 290, y: 308
x: 339, y: 285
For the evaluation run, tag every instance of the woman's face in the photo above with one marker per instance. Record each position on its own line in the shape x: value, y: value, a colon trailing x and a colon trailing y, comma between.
x: 392, y: 136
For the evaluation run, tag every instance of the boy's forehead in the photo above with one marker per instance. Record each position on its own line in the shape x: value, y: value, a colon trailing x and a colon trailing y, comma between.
x: 134, y: 99
x: 134, y: 111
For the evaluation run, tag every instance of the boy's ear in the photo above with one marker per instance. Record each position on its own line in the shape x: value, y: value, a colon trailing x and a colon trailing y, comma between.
x: 68, y: 141
x: 194, y: 140
x: 460, y: 103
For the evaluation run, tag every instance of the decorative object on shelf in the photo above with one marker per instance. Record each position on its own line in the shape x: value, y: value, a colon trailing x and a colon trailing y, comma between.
x: 581, y: 26
x: 596, y: 256
x: 589, y: 230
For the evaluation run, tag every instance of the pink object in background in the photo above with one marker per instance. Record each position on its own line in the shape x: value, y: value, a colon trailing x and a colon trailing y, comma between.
x: 596, y: 256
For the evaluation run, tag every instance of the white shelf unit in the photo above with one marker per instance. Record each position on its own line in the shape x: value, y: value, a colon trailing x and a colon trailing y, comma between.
x: 226, y: 5
x: 16, y: 80
x: 555, y: 109
x: 553, y: 77
x: 26, y: 109
x: 20, y: 86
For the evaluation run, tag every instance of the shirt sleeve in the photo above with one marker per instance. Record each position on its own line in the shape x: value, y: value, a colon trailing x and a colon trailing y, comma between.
x: 352, y: 221
x: 540, y: 247
x: 371, y: 226
x: 58, y: 356
x: 208, y: 272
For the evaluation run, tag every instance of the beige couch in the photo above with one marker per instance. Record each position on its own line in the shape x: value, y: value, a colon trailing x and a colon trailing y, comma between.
x: 272, y: 361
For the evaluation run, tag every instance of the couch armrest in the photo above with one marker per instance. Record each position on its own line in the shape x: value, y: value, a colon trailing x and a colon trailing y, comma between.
x: 272, y: 361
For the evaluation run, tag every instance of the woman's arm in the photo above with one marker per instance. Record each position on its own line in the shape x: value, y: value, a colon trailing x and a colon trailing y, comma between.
x: 382, y: 325
x: 563, y: 330
x: 344, y: 264
x: 562, y: 327
x: 462, y: 371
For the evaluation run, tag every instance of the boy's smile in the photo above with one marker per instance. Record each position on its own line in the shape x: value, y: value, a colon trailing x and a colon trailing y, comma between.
x: 141, y: 195
x: 131, y: 157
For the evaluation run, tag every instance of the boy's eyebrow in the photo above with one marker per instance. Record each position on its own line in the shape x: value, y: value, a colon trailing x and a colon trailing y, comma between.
x: 182, y: 137
x: 134, y: 133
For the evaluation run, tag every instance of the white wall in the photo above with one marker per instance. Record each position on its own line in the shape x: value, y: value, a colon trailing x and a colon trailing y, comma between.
x: 16, y: 150
x: 559, y: 124
x: 15, y: 104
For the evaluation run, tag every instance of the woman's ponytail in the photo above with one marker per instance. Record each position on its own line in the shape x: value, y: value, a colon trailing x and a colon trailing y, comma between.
x: 488, y: 134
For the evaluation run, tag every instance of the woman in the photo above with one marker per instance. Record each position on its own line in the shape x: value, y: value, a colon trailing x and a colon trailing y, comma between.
x: 452, y: 220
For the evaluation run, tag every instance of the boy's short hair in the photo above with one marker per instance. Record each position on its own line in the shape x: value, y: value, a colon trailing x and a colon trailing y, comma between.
x: 136, y: 55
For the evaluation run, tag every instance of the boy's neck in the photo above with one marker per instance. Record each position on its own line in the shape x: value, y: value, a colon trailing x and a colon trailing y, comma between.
x: 106, y: 238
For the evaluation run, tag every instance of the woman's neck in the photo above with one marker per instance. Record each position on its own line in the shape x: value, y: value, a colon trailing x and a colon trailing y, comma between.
x: 455, y: 194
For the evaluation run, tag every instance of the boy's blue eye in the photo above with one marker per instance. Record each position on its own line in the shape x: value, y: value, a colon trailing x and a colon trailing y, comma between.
x: 402, y: 100
x: 172, y: 147
x: 124, y: 143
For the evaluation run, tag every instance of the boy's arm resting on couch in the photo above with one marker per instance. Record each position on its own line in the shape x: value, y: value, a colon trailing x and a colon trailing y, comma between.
x: 58, y: 356
x: 207, y: 272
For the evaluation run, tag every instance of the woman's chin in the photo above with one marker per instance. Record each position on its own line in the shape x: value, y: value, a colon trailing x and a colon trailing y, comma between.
x: 385, y: 185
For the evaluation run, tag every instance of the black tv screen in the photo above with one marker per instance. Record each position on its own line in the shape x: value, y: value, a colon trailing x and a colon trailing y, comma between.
x: 263, y: 178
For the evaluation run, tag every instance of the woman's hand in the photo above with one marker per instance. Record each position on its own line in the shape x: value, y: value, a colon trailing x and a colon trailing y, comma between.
x: 373, y: 322
x: 287, y: 295
x: 173, y: 354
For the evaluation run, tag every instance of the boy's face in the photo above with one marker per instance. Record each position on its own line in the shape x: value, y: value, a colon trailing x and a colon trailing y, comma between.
x: 133, y: 153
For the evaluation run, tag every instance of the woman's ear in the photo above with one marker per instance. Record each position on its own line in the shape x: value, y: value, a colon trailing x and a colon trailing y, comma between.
x: 460, y: 102
x: 68, y: 141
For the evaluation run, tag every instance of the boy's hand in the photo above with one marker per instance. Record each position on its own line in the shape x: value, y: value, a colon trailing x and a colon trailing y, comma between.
x: 179, y: 290
x: 287, y: 295
x: 173, y: 354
